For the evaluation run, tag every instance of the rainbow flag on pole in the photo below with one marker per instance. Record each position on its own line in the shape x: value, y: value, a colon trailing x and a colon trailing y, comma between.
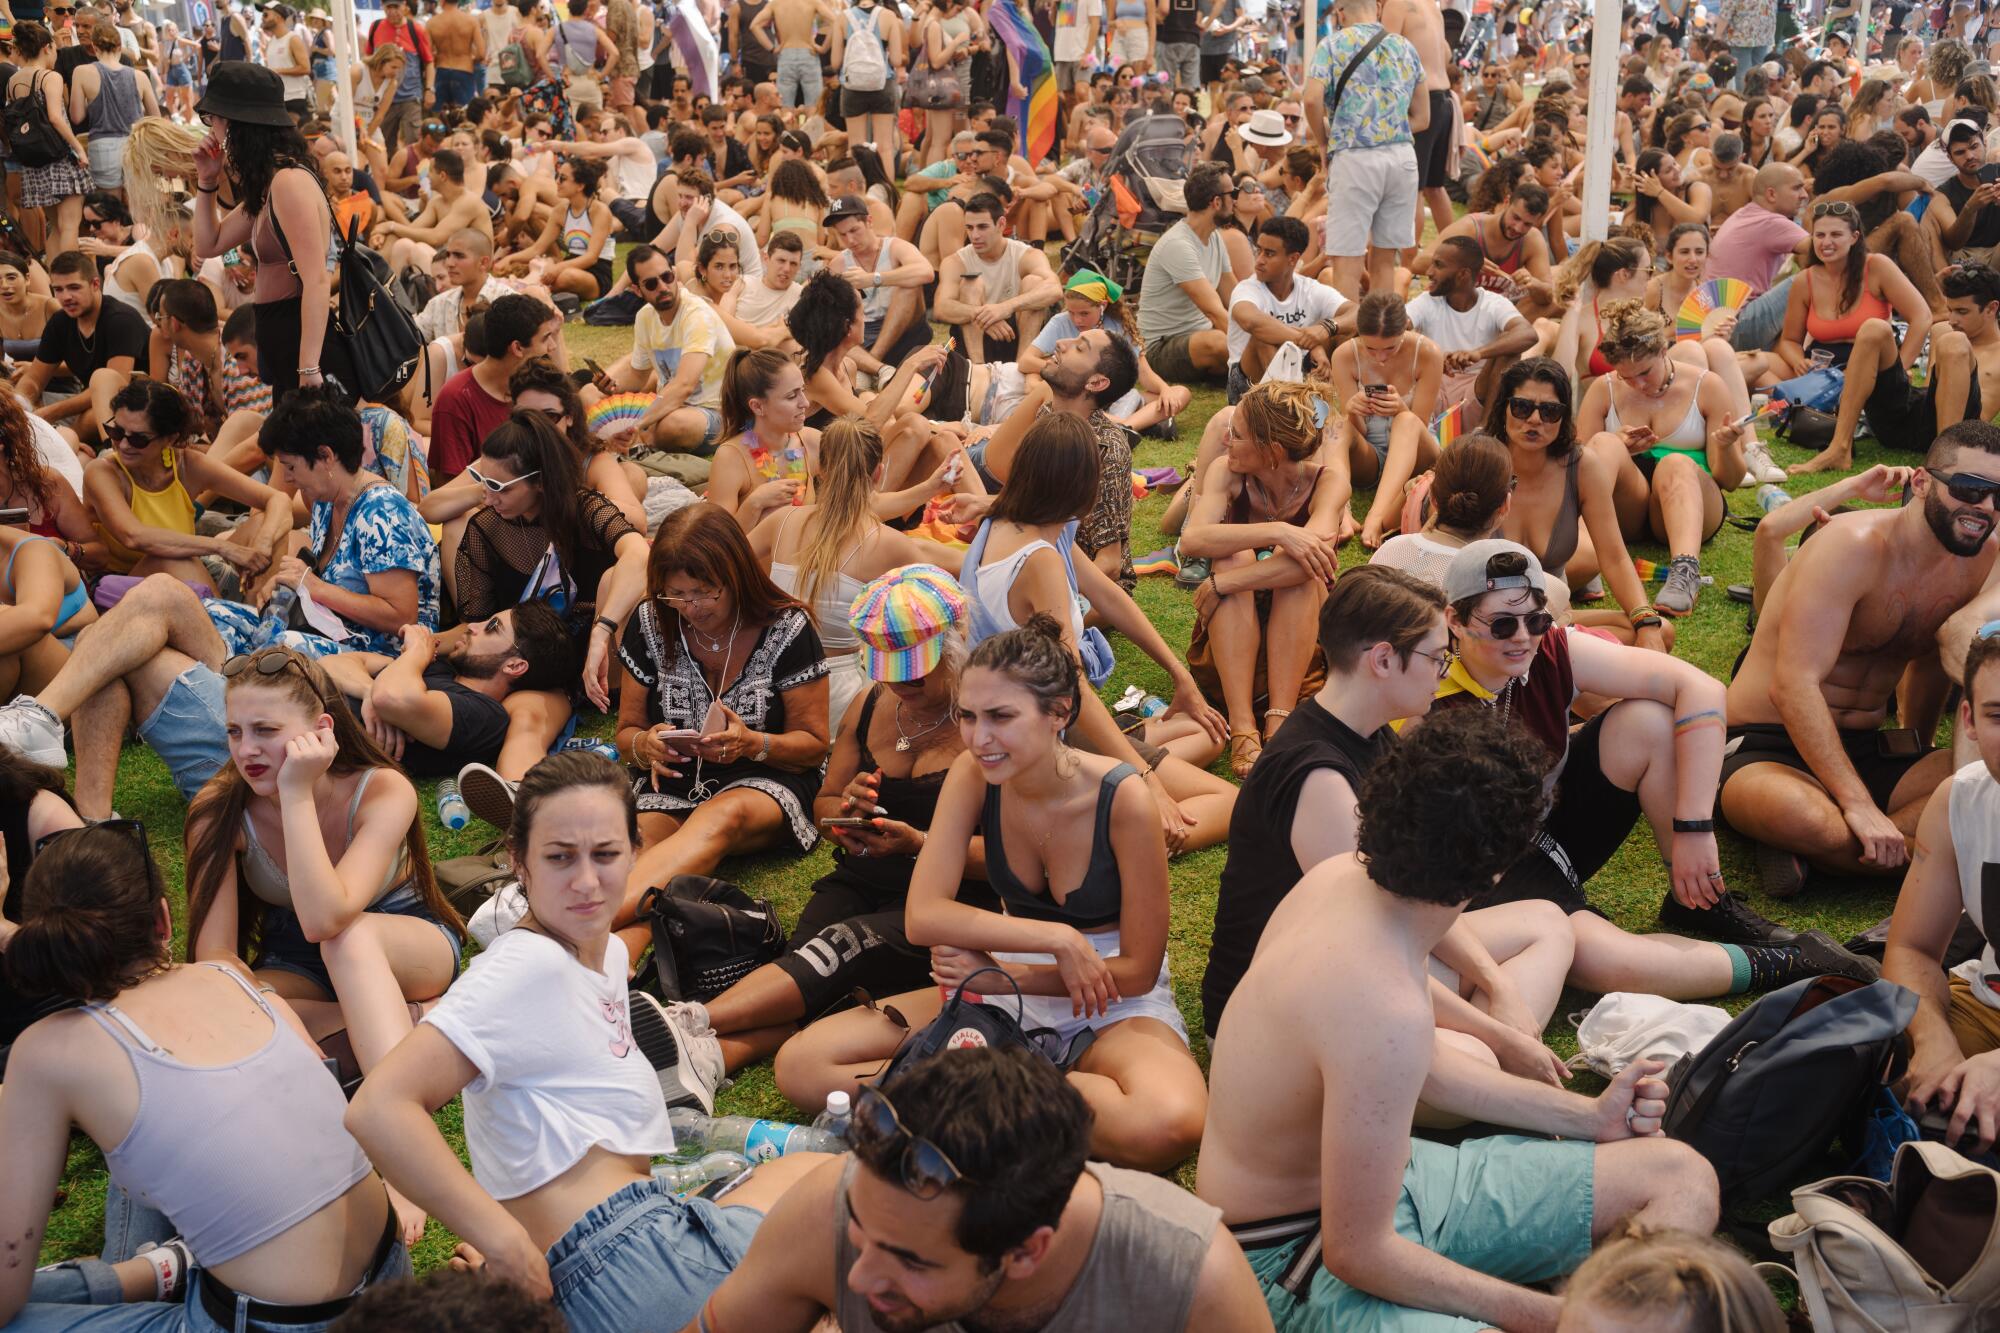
x: 1035, y: 113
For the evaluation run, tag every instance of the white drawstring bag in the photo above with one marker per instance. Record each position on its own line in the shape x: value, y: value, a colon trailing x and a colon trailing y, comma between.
x: 1624, y: 1027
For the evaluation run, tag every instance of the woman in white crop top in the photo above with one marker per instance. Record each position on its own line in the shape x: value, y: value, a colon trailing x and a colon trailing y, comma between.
x: 824, y: 552
x: 210, y: 1104
x: 564, y: 1108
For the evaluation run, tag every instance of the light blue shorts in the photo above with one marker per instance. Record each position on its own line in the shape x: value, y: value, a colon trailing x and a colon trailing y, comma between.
x: 107, y: 161
x: 646, y: 1258
x: 186, y: 730
x: 1510, y: 1207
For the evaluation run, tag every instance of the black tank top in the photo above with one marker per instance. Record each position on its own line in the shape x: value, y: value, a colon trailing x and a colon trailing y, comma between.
x: 1094, y: 903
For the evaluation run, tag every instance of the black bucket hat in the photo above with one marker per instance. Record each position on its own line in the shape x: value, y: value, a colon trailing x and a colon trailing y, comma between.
x: 241, y: 91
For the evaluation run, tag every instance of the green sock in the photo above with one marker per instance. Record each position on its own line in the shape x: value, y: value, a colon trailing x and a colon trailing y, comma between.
x: 1739, y: 969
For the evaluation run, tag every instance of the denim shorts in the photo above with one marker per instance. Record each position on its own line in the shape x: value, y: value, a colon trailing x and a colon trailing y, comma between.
x: 646, y: 1258
x: 282, y: 944
x: 186, y: 730
x: 711, y: 434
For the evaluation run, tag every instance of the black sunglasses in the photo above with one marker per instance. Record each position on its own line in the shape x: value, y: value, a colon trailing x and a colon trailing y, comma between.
x: 1504, y: 627
x: 138, y: 439
x: 274, y: 660
x: 1968, y: 488
x: 925, y: 1169
x: 130, y: 828
x: 1522, y: 408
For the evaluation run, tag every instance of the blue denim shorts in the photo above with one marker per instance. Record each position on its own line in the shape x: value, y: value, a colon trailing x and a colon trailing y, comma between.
x: 282, y: 944
x: 646, y: 1258
x: 187, y: 729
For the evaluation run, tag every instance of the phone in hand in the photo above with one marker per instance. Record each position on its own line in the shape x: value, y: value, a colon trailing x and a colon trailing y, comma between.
x: 13, y: 518
x: 716, y: 719
x: 678, y: 739
x: 846, y: 821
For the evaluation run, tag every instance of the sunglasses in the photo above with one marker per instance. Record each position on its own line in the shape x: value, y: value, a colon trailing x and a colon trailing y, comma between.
x: 138, y: 439
x: 925, y: 1170
x: 1522, y: 408
x: 1292, y: 120
x: 1833, y: 208
x: 1968, y: 488
x: 1505, y: 626
x: 130, y: 828
x: 1442, y: 661
x: 498, y: 487
x: 658, y: 280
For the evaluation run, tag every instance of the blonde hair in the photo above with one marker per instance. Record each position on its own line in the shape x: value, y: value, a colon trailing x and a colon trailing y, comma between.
x: 850, y: 449
x: 1696, y: 1283
x: 1599, y: 262
x: 382, y: 57
x: 1631, y: 331
x: 159, y: 164
x: 1280, y: 416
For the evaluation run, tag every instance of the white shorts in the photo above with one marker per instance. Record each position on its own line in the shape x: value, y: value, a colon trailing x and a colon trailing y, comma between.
x: 1053, y: 1011
x: 1377, y: 188
x: 1129, y: 45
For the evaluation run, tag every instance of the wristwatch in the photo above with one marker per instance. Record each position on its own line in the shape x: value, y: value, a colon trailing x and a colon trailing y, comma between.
x: 1694, y: 826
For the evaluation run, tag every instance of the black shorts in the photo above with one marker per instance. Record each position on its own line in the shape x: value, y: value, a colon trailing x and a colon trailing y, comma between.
x: 1589, y: 822
x: 1433, y: 144
x: 603, y: 272
x: 1211, y: 66
x: 881, y: 102
x: 1868, y: 749
x: 1902, y: 416
x: 850, y: 936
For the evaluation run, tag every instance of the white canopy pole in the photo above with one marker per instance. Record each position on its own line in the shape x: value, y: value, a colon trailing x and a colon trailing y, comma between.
x: 1861, y: 37
x: 1311, y: 43
x: 345, y: 52
x: 1602, y: 113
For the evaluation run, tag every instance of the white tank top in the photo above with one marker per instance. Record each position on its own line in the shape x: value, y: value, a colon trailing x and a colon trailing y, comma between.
x: 994, y: 580
x: 1975, y: 839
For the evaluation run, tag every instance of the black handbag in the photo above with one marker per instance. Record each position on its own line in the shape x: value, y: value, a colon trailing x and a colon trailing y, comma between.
x: 933, y: 89
x: 380, y: 338
x: 1809, y: 428
x: 707, y: 936
x: 964, y: 1023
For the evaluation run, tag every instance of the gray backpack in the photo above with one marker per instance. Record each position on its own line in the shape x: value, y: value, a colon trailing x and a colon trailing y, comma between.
x: 1920, y: 1254
x: 865, y: 69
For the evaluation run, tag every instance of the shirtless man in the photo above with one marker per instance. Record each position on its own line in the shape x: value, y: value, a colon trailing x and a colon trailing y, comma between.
x: 451, y: 208
x: 1972, y: 305
x: 1308, y: 1150
x: 1728, y: 177
x: 1516, y: 248
x: 1809, y: 773
x: 799, y: 44
x: 458, y: 43
x: 1423, y: 23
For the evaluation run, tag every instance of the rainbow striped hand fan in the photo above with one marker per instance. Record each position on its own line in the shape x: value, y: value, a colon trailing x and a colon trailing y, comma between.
x: 620, y: 411
x: 1707, y: 298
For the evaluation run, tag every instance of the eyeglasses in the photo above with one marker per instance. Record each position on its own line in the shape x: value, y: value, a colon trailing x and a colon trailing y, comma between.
x: 1833, y: 208
x: 138, y: 439
x: 1441, y: 660
x: 697, y: 599
x: 497, y: 487
x: 1968, y: 488
x: 1505, y: 627
x: 130, y: 828
x: 1292, y: 120
x: 1522, y: 408
x: 925, y: 1170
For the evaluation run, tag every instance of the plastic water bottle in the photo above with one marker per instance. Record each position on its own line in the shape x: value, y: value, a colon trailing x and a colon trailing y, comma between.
x: 277, y: 614
x: 1152, y: 706
x: 837, y: 1116
x: 603, y: 749
x: 758, y: 1140
x: 1770, y: 495
x: 453, y: 813
x: 687, y: 1177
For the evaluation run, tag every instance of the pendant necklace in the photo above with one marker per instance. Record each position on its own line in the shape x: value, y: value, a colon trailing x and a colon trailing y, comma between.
x: 906, y: 739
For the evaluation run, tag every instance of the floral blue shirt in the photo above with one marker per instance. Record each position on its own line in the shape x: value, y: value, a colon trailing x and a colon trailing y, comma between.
x: 384, y: 531
x: 1374, y: 109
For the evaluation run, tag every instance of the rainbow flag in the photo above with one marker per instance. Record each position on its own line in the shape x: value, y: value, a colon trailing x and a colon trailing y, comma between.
x: 1449, y: 425
x: 1036, y: 113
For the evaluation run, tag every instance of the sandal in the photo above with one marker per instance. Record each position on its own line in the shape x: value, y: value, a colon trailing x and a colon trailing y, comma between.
x: 1244, y: 748
x: 1281, y: 714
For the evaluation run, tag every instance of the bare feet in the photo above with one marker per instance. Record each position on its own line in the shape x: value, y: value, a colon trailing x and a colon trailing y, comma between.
x: 1371, y: 535
x: 1348, y: 528
x: 409, y: 1215
x: 1827, y: 460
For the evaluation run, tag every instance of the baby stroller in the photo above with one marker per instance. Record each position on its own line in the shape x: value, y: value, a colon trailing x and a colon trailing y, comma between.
x: 1145, y: 193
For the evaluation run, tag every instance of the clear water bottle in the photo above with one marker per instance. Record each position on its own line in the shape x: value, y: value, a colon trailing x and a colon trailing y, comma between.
x: 837, y: 1116
x: 1770, y: 495
x: 453, y: 813
x: 758, y: 1140
x: 277, y: 614
x: 687, y: 1177
x: 1152, y: 706
x: 603, y: 749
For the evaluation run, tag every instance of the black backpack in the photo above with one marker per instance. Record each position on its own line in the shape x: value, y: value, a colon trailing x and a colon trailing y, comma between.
x: 1796, y: 1070
x: 31, y: 136
x: 991, y: 1021
x: 707, y: 936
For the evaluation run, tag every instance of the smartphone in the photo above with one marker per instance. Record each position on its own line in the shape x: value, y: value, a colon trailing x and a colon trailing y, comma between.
x: 13, y: 517
x: 846, y: 821
x: 1900, y: 742
x: 717, y: 719
x: 677, y: 739
x: 950, y: 345
x: 1374, y: 389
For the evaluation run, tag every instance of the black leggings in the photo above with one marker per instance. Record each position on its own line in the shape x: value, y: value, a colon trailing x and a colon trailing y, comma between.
x: 850, y: 936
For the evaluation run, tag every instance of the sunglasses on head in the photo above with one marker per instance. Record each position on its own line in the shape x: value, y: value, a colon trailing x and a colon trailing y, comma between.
x: 1522, y: 408
x: 1505, y: 626
x: 130, y: 828
x: 1833, y: 208
x: 1968, y: 488
x: 138, y: 439
x: 923, y: 1167
x: 497, y: 487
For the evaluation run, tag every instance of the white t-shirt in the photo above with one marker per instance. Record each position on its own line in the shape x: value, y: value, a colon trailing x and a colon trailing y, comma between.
x: 500, y: 22
x: 559, y: 1071
x: 1417, y: 553
x: 747, y: 251
x: 1462, y: 330
x: 761, y: 306
x: 1069, y: 37
x: 52, y: 451
x: 1310, y: 302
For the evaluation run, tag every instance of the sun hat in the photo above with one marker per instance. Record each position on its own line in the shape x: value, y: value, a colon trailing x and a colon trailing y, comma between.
x: 246, y: 93
x: 1266, y: 127
x: 1470, y: 573
x: 901, y: 619
x: 1094, y: 285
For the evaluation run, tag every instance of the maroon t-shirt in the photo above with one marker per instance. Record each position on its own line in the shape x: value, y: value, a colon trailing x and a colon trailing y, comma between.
x: 1539, y: 701
x: 461, y: 419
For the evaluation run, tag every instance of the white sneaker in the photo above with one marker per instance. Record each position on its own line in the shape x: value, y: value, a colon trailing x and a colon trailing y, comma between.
x: 1759, y: 469
x: 498, y: 914
x: 33, y: 732
x: 487, y: 795
x: 681, y: 1045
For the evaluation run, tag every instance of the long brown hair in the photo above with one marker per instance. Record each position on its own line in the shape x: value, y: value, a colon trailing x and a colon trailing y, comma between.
x: 18, y: 457
x: 850, y: 449
x: 218, y: 808
x: 751, y: 373
x: 703, y: 542
x: 1857, y: 257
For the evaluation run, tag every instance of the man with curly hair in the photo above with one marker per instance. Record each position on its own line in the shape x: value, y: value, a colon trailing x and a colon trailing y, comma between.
x: 1347, y: 1221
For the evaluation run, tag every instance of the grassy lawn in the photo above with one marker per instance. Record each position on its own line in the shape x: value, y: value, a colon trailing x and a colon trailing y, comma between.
x: 1629, y: 889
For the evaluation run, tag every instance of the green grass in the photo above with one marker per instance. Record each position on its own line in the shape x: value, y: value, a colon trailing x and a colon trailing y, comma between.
x: 1629, y: 889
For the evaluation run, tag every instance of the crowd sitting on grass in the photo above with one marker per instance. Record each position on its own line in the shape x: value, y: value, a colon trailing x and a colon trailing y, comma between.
x: 845, y: 543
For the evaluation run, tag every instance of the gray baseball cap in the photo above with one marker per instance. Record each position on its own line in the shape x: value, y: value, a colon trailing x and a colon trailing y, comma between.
x: 1470, y: 573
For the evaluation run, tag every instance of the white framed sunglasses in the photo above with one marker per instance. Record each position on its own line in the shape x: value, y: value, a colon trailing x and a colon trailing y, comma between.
x: 497, y: 487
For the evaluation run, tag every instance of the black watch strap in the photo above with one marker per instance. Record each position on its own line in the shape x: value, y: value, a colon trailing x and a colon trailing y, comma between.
x: 1694, y: 826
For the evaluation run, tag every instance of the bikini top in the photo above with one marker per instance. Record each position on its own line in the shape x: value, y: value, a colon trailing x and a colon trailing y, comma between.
x: 1093, y: 904
x: 1599, y: 364
x: 73, y: 601
x: 1842, y: 328
x: 1690, y: 436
